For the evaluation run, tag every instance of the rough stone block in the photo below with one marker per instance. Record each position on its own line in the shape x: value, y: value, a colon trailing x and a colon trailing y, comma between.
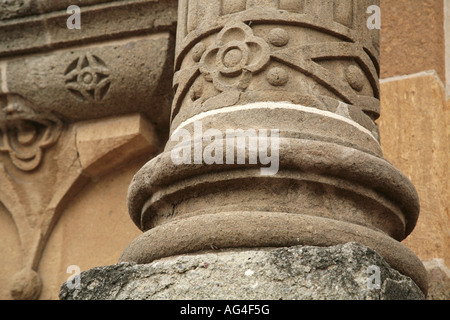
x: 290, y: 273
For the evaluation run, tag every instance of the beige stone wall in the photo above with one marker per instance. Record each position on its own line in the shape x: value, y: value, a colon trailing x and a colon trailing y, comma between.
x: 415, y: 114
x: 412, y: 37
x: 93, y: 231
x: 414, y: 130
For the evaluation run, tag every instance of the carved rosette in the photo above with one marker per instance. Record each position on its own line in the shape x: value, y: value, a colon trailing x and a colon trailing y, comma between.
x: 87, y: 78
x: 309, y: 69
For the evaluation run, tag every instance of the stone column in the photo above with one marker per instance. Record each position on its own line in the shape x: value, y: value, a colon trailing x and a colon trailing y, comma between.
x: 300, y: 78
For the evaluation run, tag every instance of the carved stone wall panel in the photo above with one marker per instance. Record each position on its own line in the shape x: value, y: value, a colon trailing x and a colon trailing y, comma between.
x: 75, y: 105
x: 34, y: 204
x: 106, y: 144
x: 24, y: 133
x: 35, y: 189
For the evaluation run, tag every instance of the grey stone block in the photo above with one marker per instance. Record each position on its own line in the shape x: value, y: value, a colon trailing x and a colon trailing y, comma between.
x: 293, y: 273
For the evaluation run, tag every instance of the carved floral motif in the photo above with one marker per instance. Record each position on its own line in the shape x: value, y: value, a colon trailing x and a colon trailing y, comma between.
x: 87, y: 78
x: 24, y: 134
x: 236, y: 55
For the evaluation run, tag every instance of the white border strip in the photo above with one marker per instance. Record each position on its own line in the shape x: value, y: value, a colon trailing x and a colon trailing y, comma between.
x: 3, y: 80
x: 273, y: 106
x: 447, y: 45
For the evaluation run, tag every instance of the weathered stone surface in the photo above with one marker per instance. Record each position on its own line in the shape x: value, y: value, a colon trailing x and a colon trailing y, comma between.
x: 103, y: 80
x: 227, y: 230
x: 309, y: 273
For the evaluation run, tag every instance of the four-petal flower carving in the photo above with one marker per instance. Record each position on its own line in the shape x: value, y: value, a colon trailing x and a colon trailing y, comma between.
x: 237, y: 54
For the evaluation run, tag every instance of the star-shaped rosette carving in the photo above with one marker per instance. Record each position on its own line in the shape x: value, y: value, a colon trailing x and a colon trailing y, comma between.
x: 88, y: 78
x: 237, y: 54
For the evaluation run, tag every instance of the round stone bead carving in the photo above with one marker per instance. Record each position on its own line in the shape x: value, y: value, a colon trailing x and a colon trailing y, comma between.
x: 278, y: 37
x: 277, y: 76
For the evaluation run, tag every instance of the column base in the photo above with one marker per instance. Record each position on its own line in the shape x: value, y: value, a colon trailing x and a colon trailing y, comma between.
x: 267, y: 229
x: 291, y: 273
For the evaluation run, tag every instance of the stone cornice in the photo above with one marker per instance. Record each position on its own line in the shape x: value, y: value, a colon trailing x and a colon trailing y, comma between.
x: 43, y: 28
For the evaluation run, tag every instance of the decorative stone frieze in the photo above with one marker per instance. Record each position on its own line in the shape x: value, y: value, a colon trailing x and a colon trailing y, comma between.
x: 309, y: 70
